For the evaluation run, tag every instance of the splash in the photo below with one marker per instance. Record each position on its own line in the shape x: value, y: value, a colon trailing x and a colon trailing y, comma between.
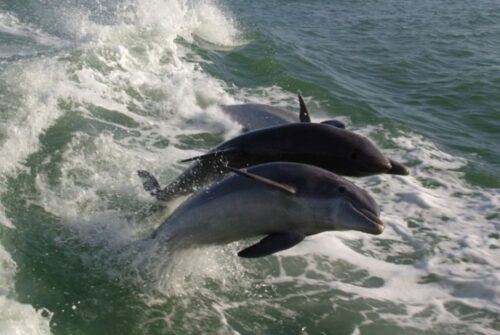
x: 89, y: 110
x: 17, y: 318
x: 10, y: 25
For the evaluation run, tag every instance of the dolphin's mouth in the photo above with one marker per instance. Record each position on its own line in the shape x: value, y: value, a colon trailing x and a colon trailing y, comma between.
x: 372, y: 224
x: 378, y: 225
x: 398, y: 168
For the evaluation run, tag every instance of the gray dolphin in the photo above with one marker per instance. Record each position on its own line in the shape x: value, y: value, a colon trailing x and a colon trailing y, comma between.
x: 283, y: 201
x: 255, y: 116
x: 338, y: 150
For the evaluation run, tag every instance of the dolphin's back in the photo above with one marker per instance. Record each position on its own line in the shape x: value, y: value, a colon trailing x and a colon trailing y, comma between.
x: 256, y: 116
x: 297, y: 139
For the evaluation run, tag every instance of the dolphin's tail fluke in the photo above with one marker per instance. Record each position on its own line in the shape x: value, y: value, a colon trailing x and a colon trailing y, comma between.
x: 151, y: 185
x: 188, y: 182
x: 149, y: 182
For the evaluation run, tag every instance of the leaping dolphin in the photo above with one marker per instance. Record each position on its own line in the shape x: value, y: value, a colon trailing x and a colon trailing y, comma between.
x: 285, y: 202
x: 256, y: 116
x: 337, y: 150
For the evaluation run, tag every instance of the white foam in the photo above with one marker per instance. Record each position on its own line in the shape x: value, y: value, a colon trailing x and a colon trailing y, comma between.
x: 7, y: 272
x: 31, y: 106
x: 22, y: 319
x: 169, y: 90
x: 204, y: 19
x: 17, y: 318
x: 3, y: 218
x: 215, y: 26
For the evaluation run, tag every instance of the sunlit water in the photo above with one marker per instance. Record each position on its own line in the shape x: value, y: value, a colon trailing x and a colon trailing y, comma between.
x: 92, y: 91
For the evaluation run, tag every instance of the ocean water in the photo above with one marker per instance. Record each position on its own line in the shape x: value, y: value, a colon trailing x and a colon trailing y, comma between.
x: 91, y: 91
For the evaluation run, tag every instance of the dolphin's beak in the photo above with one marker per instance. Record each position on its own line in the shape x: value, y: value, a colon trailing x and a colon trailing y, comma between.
x: 361, y: 219
x: 398, y: 168
x: 377, y: 224
x: 387, y: 166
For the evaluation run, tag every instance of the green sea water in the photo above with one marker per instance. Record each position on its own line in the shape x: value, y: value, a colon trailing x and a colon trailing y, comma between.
x: 92, y: 91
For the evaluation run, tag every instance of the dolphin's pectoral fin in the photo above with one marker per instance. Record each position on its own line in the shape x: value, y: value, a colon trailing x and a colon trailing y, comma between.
x: 304, y: 113
x: 265, y: 181
x: 211, y: 155
x: 149, y: 182
x: 271, y: 244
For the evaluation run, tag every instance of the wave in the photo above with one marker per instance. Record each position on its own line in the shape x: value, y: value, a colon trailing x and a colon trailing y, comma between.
x: 10, y: 24
x: 117, y: 88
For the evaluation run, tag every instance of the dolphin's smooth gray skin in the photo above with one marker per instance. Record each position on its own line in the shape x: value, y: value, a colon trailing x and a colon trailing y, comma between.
x: 337, y: 150
x: 256, y: 116
x: 283, y: 201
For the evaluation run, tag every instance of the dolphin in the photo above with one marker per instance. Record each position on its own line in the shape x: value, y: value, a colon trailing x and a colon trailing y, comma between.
x: 334, y: 149
x: 285, y: 202
x: 255, y: 116
x: 351, y: 155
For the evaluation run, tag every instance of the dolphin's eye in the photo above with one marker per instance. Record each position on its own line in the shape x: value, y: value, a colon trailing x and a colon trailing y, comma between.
x: 342, y: 189
x: 354, y: 155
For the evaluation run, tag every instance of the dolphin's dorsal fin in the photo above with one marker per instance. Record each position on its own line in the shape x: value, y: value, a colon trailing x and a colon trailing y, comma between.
x: 272, y: 243
x: 149, y: 182
x: 212, y: 154
x: 304, y: 113
x: 265, y: 181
